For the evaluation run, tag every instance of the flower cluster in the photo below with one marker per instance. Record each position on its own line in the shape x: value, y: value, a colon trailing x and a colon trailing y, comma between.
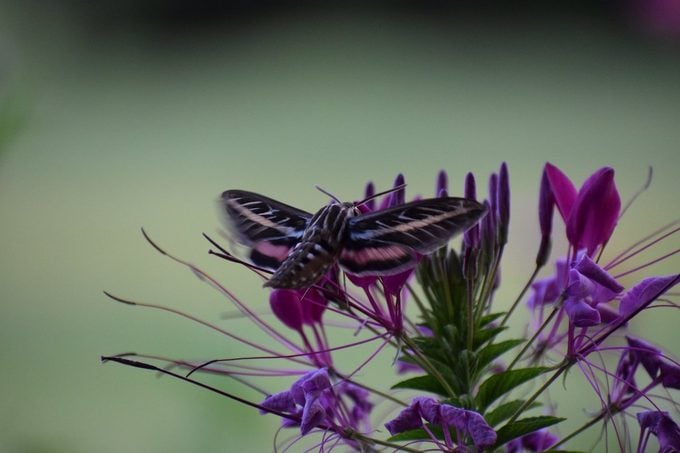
x: 467, y: 384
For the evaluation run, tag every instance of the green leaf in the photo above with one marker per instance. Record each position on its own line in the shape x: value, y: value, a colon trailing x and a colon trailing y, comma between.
x: 417, y: 434
x: 486, y: 334
x: 524, y: 426
x: 425, y: 383
x: 490, y: 352
x: 501, y: 383
x: 505, y: 411
x: 486, y: 319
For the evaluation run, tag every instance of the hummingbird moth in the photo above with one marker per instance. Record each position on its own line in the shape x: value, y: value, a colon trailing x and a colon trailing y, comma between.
x: 300, y: 247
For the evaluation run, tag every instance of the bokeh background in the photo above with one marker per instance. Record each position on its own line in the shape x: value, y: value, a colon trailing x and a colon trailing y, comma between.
x: 117, y: 115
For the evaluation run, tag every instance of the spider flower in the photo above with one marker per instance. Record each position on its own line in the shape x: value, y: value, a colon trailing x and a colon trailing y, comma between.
x: 468, y: 425
x: 590, y: 213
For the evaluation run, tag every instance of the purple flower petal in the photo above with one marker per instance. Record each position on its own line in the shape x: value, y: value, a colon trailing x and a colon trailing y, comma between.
x: 646, y: 354
x: 579, y: 285
x: 315, y: 383
x: 590, y: 269
x: 429, y: 409
x: 398, y: 197
x: 563, y: 190
x: 369, y: 191
x: 580, y: 313
x: 595, y: 211
x: 481, y: 433
x: 670, y: 375
x: 546, y: 206
x: 285, y: 304
x: 442, y: 184
x: 453, y: 416
x: 607, y: 314
x: 282, y: 402
x: 646, y: 292
x: 471, y: 236
x: 503, y: 202
x: 665, y: 429
x: 312, y: 415
x: 539, y: 440
x: 407, y: 419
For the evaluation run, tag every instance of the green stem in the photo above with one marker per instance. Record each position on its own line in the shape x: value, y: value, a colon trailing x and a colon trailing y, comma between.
x: 538, y: 332
x: 488, y: 284
x: 421, y: 306
x: 427, y: 365
x: 470, y: 315
x: 593, y: 421
x: 521, y: 295
x: 562, y: 368
x: 372, y: 390
x: 384, y: 443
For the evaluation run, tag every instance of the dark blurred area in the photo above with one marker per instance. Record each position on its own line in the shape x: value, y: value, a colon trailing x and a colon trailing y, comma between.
x: 660, y: 18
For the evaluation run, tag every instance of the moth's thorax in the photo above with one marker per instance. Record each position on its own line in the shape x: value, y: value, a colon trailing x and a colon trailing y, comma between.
x: 318, y: 249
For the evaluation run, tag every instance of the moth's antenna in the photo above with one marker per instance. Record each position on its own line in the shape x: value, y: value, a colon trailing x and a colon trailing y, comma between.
x: 322, y: 190
x: 380, y: 194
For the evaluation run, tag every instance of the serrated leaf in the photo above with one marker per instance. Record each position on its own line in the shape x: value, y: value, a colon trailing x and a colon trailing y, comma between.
x: 487, y: 354
x: 501, y: 383
x: 425, y: 383
x: 524, y: 426
x: 505, y: 411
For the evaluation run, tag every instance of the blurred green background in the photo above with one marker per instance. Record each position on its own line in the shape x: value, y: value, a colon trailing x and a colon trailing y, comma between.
x: 117, y: 115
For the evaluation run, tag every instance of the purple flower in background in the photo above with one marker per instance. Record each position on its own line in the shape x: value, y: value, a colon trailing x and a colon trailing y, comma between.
x: 663, y: 427
x: 537, y: 441
x: 591, y: 213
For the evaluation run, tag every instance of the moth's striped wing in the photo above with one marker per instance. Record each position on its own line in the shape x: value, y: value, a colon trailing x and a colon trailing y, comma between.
x: 389, y: 241
x: 270, y: 228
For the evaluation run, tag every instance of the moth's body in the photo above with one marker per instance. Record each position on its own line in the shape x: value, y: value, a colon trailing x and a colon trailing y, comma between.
x: 300, y: 247
x: 318, y: 250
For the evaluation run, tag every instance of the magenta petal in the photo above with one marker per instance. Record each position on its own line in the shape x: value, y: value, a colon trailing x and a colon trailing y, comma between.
x: 312, y: 415
x: 285, y: 304
x: 563, y: 190
x: 407, y: 419
x: 361, y: 282
x: 580, y: 313
x: 313, y: 306
x: 595, y: 211
x: 646, y: 292
x: 394, y: 283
